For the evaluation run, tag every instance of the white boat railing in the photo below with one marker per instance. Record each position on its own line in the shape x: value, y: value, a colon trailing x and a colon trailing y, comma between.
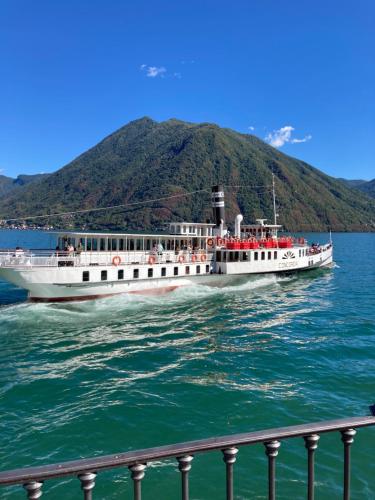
x: 51, y: 258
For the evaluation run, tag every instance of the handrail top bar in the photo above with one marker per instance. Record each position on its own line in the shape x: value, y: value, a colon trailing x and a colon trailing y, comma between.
x: 23, y: 475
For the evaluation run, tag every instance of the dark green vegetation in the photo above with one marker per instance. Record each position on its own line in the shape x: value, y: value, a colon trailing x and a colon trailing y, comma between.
x: 367, y: 187
x: 146, y: 160
x: 9, y: 185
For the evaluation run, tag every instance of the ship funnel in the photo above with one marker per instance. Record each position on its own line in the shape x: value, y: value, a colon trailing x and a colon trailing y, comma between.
x: 237, y: 225
x: 217, y: 201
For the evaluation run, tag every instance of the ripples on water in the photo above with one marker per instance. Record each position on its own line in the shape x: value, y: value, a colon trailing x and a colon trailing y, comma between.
x: 127, y: 372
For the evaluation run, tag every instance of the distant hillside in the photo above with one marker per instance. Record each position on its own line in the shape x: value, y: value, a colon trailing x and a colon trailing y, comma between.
x: 367, y: 187
x: 146, y: 160
x: 7, y: 184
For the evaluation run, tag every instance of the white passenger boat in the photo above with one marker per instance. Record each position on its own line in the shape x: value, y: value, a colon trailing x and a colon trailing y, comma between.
x: 86, y: 265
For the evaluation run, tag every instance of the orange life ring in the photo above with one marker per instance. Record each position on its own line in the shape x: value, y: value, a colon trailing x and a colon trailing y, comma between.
x: 181, y: 259
x: 193, y: 258
x: 210, y: 242
x: 151, y: 260
x: 116, y: 260
x: 203, y: 257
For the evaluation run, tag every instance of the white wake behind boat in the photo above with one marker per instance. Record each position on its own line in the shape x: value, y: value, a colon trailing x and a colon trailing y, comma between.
x: 86, y: 265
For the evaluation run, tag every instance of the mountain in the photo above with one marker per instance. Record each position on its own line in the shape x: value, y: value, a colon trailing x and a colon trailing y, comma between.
x: 8, y: 184
x: 367, y: 187
x: 147, y: 160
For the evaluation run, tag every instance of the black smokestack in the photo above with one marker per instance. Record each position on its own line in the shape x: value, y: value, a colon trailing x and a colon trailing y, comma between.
x: 217, y: 201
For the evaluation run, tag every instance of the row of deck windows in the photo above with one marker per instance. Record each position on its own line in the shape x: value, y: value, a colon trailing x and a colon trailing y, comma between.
x: 245, y: 256
x: 150, y: 273
x: 128, y: 244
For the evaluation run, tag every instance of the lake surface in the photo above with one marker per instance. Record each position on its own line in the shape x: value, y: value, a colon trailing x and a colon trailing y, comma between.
x: 128, y: 372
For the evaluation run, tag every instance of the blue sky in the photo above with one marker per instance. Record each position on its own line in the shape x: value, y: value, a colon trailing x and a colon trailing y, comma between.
x: 299, y: 74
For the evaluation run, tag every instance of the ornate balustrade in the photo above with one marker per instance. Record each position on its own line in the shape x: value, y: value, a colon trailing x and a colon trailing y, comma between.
x: 86, y: 470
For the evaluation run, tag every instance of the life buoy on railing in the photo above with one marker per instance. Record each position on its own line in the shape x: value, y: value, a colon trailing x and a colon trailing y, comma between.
x: 210, y: 242
x: 181, y: 259
x: 116, y: 261
x: 193, y: 258
x: 203, y: 257
x: 151, y: 260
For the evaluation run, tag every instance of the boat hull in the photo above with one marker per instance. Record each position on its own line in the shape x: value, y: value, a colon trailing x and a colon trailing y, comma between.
x: 65, y: 284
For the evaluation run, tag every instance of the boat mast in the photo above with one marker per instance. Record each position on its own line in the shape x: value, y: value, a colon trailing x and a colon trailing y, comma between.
x: 274, y: 199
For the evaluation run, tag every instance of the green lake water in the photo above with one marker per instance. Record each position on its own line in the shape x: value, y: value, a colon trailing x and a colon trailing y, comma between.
x: 128, y: 372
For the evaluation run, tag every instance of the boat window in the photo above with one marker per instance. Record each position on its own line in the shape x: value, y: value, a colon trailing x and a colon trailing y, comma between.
x: 131, y: 244
x: 198, y: 271
x: 164, y: 271
x: 121, y: 244
x: 175, y: 271
x: 135, y: 273
x: 94, y: 245
x: 139, y: 244
x: 148, y: 244
x: 86, y: 276
x: 218, y: 256
x: 102, y: 244
x: 236, y: 256
x: 187, y: 269
x: 207, y: 268
x: 150, y: 272
x: 299, y: 253
x: 244, y: 256
x: 275, y: 255
x: 89, y: 245
x: 103, y: 275
x: 269, y: 255
x: 263, y: 254
x: 255, y: 255
x: 120, y: 274
x: 112, y: 244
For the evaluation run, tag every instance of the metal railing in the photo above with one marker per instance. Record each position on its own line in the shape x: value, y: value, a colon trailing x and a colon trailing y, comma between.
x: 51, y: 258
x: 86, y: 471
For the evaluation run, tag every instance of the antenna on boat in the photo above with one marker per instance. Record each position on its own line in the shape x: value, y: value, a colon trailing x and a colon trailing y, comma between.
x: 275, y: 215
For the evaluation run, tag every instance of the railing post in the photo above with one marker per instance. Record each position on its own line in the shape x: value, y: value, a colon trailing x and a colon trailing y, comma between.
x: 347, y: 437
x: 87, y: 484
x: 272, y: 450
x: 34, y: 490
x: 137, y: 473
x: 229, y: 459
x: 184, y: 466
x: 311, y: 444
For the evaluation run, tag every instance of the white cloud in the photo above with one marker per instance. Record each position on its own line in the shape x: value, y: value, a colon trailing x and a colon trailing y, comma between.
x: 251, y: 128
x: 279, y: 137
x: 177, y: 75
x: 305, y: 139
x: 153, y: 71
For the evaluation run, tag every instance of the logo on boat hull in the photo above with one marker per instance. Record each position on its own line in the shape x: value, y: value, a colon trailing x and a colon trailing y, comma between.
x: 289, y: 255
